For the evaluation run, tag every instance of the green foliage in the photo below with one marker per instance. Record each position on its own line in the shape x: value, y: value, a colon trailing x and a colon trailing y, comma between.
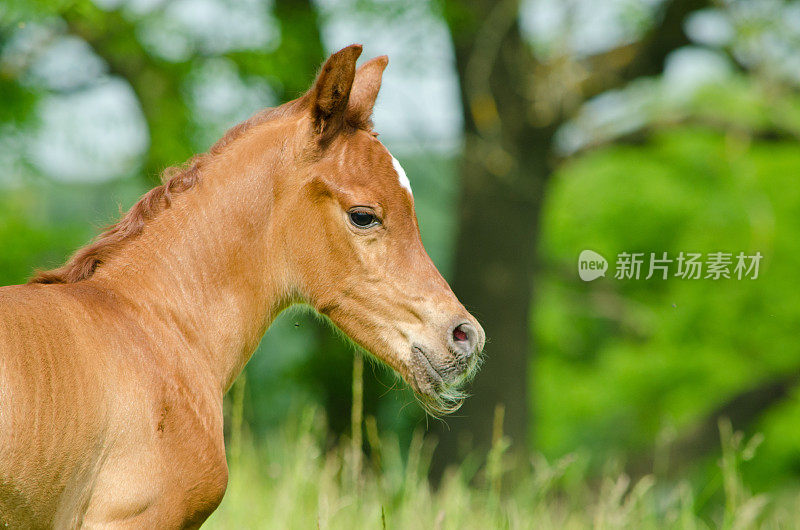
x: 27, y: 244
x: 624, y: 360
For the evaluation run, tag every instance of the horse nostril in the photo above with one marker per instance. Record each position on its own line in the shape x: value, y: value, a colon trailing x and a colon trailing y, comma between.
x: 465, y: 339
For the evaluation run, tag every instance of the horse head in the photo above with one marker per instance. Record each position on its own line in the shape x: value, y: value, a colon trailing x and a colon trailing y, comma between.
x: 348, y: 222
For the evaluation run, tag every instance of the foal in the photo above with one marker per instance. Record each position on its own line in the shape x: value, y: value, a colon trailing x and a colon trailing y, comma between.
x: 113, y: 367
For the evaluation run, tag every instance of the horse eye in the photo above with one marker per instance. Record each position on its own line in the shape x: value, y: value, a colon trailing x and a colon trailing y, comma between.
x: 362, y: 219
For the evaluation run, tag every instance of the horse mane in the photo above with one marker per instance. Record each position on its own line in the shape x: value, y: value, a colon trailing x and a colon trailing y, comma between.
x: 176, y: 180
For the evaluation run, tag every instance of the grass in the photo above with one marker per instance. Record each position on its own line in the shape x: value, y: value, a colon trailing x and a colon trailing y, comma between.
x: 290, y: 480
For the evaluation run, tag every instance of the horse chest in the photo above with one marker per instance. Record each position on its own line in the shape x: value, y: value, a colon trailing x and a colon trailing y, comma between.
x: 191, y: 453
x: 192, y: 458
x: 171, y: 470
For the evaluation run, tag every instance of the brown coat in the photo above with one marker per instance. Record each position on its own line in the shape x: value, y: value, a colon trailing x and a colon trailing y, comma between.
x: 113, y: 368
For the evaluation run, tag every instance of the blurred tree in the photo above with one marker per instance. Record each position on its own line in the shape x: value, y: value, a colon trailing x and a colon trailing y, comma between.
x: 513, y: 104
x: 159, y: 84
x: 292, y: 65
x: 156, y: 82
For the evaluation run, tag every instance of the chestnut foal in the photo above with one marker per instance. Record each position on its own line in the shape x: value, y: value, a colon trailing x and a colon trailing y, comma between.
x: 113, y: 367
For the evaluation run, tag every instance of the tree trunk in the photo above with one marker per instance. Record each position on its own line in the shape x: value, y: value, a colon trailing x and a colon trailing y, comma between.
x: 506, y: 164
x: 503, y: 173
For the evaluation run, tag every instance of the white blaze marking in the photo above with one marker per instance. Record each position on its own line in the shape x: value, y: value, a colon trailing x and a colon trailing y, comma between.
x: 401, y: 174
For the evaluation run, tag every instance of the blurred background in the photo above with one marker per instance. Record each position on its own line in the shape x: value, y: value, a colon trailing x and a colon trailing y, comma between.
x: 531, y: 130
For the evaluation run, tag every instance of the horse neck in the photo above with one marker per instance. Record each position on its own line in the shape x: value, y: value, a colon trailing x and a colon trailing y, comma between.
x: 204, y: 269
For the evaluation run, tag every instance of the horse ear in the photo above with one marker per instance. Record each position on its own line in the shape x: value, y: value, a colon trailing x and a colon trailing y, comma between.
x: 365, y: 91
x: 331, y: 90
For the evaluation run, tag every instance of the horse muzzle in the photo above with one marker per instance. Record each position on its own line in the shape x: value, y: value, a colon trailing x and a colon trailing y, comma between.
x: 438, y: 373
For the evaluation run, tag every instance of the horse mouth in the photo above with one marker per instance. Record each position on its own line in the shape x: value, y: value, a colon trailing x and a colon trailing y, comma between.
x: 428, y: 380
x: 433, y: 386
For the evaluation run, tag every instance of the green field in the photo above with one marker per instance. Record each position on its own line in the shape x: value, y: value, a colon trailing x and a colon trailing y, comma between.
x: 294, y: 478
